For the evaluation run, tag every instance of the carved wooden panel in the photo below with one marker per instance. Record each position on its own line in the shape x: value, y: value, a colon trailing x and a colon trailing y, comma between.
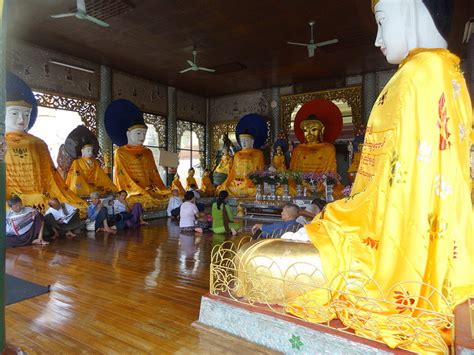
x: 32, y: 64
x: 191, y: 107
x: 147, y: 95
x: 233, y: 107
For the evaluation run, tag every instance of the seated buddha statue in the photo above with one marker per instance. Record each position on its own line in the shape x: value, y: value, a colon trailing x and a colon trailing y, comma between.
x: 223, y: 168
x: 252, y: 133
x: 279, y: 159
x: 190, y: 180
x: 315, y: 155
x: 409, y: 205
x: 135, y: 169
x: 30, y: 172
x: 176, y: 185
x: 207, y: 187
x: 86, y: 176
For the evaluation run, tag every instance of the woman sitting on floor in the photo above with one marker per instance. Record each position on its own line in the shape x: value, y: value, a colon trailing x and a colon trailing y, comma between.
x: 24, y: 225
x: 222, y: 220
x: 189, y: 214
x: 126, y: 217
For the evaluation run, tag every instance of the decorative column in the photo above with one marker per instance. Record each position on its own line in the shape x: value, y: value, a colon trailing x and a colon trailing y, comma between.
x: 369, y: 95
x: 2, y: 178
x: 171, y: 138
x: 105, y: 99
x: 275, y: 107
x: 207, y: 138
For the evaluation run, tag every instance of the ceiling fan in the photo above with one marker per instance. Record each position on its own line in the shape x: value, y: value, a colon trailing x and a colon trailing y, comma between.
x: 194, y: 66
x: 312, y: 45
x: 81, y: 14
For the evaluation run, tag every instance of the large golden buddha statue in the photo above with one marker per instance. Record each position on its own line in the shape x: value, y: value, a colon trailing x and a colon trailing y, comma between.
x: 135, y: 169
x: 252, y: 132
x: 318, y: 123
x: 30, y: 172
x: 395, y: 252
x: 85, y: 174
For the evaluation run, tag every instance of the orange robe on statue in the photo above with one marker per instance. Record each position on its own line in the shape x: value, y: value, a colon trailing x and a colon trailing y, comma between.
x: 135, y: 171
x: 86, y: 176
x: 314, y: 158
x: 31, y: 175
x: 237, y: 183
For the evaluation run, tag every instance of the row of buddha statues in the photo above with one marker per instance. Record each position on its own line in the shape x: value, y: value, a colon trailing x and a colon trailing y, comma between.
x: 32, y: 176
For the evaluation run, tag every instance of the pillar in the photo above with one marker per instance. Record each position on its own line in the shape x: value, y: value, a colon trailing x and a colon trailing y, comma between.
x: 470, y: 66
x: 171, y: 139
x: 275, y: 111
x: 369, y: 95
x: 208, y: 135
x: 105, y: 99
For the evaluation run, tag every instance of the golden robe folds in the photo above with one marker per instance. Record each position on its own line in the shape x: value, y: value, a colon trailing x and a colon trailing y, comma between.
x: 135, y: 172
x: 86, y: 176
x: 237, y: 183
x: 409, y: 219
x: 31, y: 175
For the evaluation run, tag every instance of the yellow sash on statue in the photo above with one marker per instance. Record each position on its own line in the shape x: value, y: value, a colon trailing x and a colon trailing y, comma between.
x: 408, y: 224
x: 314, y: 158
x: 31, y: 175
x: 237, y: 184
x: 135, y: 171
x: 86, y: 176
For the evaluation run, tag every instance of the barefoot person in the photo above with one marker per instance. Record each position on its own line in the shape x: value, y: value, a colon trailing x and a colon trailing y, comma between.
x: 24, y: 225
x: 62, y: 219
x: 97, y: 212
x: 125, y: 216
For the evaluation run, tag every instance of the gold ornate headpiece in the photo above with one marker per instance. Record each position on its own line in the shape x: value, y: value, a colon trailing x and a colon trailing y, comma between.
x: 137, y: 126
x: 246, y: 135
x: 22, y: 103
x: 374, y: 2
x: 88, y: 145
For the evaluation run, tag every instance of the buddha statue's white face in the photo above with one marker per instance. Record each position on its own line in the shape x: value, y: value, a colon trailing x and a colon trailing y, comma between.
x: 17, y: 118
x: 136, y: 136
x: 87, y: 151
x: 402, y: 26
x: 246, y: 141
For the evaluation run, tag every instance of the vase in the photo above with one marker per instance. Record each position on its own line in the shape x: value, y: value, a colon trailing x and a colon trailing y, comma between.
x: 299, y: 190
x: 272, y: 196
x: 286, y: 194
x: 329, y: 193
x: 258, y: 195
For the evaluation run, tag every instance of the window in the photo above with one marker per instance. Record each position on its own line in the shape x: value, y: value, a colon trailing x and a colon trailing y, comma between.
x: 156, y: 138
x: 53, y: 126
x: 191, y: 151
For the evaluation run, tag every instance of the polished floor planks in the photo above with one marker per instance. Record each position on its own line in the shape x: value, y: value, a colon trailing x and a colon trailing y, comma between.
x: 135, y: 292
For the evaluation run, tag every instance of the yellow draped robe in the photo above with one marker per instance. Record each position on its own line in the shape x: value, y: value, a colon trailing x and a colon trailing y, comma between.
x: 207, y: 187
x: 189, y: 181
x: 176, y: 185
x: 224, y: 165
x: 31, y: 175
x: 314, y: 158
x: 86, y: 176
x: 135, y: 171
x: 237, y: 183
x: 408, y: 224
x: 279, y: 163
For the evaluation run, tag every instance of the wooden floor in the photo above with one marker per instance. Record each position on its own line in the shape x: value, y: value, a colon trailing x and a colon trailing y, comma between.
x: 135, y: 292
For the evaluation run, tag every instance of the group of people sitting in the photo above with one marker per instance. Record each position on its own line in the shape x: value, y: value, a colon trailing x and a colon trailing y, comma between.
x: 26, y: 225
x: 192, y: 218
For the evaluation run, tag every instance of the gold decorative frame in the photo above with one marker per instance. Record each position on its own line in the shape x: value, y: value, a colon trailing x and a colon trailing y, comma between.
x: 86, y: 109
x: 351, y: 95
x: 347, y: 297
